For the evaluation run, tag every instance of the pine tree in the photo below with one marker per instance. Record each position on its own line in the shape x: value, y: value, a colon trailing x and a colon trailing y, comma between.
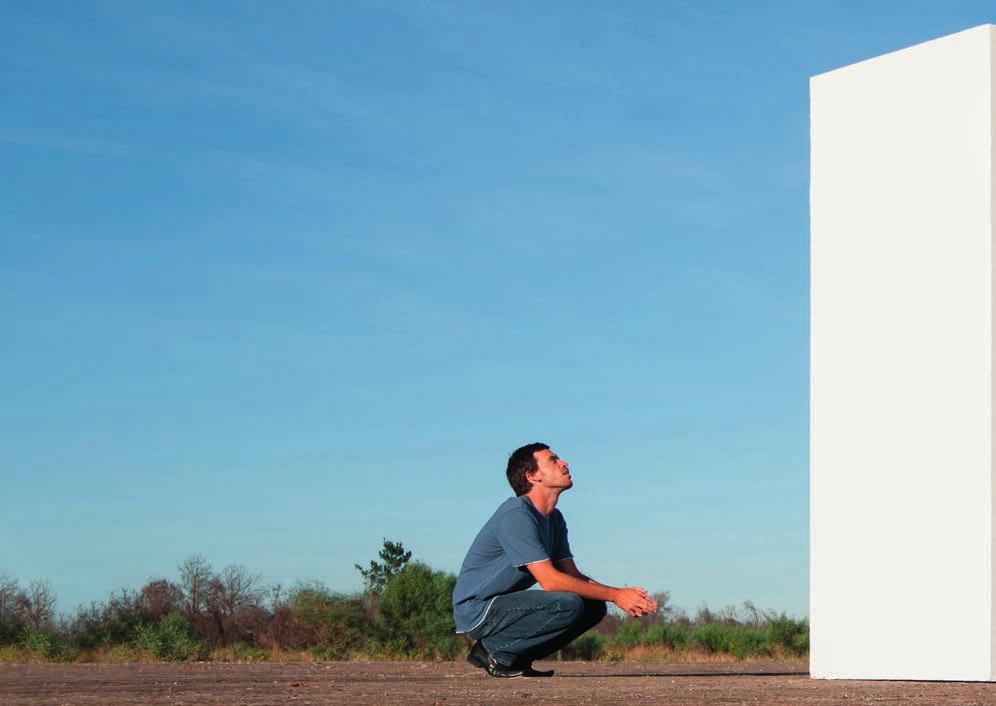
x: 394, y: 558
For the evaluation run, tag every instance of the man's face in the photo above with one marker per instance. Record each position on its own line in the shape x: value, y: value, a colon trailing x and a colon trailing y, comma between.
x: 552, y: 471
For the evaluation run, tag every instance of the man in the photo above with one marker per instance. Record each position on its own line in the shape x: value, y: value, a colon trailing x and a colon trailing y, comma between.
x: 523, y: 543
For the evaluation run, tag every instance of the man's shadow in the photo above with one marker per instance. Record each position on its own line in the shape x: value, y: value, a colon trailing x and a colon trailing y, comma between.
x: 693, y: 674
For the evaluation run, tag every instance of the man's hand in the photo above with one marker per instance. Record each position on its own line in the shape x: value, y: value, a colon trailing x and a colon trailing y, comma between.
x: 634, y: 601
x: 565, y: 577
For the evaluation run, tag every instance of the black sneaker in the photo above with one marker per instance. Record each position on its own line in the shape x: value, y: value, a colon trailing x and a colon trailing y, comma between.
x: 497, y: 669
x: 478, y: 655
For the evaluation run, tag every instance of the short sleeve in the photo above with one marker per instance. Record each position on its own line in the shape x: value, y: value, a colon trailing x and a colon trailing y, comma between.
x: 563, y: 548
x: 519, y: 537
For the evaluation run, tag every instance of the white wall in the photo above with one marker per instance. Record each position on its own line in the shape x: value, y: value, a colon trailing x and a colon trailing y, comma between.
x: 901, y: 366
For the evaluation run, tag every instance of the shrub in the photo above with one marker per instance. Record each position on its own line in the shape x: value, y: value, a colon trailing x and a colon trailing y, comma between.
x: 109, y: 623
x: 673, y: 635
x: 9, y: 632
x: 590, y: 646
x: 415, y: 614
x: 39, y: 642
x: 740, y: 641
x: 117, y: 654
x: 743, y: 641
x: 710, y: 636
x: 338, y: 624
x: 629, y: 634
x: 791, y: 635
x: 11, y: 654
x: 173, y: 640
x: 405, y: 612
x: 240, y: 652
x: 800, y: 643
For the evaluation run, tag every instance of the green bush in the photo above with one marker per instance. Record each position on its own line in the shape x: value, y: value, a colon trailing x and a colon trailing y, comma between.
x: 122, y: 654
x: 339, y: 623
x: 800, y: 644
x: 791, y: 635
x: 173, y: 640
x: 11, y: 654
x: 9, y: 632
x: 111, y: 622
x: 40, y: 642
x: 744, y: 641
x: 740, y: 641
x: 241, y: 652
x: 147, y: 638
x: 415, y: 614
x: 590, y: 646
x: 710, y: 636
x: 673, y: 635
x: 630, y: 634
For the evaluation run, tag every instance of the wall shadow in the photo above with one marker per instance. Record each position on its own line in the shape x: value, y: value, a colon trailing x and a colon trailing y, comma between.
x: 693, y: 674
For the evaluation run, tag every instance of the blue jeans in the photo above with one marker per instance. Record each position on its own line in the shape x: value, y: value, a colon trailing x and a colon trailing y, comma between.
x: 528, y: 625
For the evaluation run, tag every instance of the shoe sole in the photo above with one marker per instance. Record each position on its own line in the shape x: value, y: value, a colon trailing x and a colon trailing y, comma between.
x: 507, y: 675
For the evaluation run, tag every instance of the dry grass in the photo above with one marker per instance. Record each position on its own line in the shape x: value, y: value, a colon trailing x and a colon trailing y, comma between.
x: 116, y: 654
x: 661, y: 653
x: 126, y: 654
x: 9, y: 654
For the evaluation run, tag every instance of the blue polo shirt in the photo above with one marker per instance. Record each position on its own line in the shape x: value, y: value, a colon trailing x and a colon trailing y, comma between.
x: 516, y: 535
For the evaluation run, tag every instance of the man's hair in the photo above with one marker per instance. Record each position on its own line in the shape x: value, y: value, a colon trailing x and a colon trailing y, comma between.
x: 521, y: 462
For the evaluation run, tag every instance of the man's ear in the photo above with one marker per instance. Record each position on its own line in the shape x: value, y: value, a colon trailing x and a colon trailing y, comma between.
x: 531, y: 476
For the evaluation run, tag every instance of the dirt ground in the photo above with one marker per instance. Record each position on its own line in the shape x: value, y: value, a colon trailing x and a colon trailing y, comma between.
x: 449, y: 683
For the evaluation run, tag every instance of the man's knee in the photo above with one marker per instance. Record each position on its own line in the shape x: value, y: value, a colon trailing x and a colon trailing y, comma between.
x: 571, y: 603
x: 582, y: 611
x: 574, y: 609
x: 578, y: 606
x: 596, y: 609
x: 567, y: 607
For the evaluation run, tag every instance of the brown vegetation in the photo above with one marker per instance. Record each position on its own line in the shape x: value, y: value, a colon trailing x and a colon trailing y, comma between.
x: 404, y: 614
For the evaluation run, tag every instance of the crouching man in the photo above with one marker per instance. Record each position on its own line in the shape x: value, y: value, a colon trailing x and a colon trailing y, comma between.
x: 523, y: 543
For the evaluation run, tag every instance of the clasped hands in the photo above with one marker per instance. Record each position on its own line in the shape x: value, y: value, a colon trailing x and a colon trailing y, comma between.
x: 635, y: 601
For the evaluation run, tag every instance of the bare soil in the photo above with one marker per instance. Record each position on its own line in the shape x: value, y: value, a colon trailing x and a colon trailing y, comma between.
x: 448, y: 683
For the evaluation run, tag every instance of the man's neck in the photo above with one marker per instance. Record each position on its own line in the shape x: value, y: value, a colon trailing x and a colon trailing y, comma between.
x: 543, y: 499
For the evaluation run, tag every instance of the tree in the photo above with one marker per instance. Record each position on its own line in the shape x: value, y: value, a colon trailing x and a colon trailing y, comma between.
x: 195, y: 577
x: 9, y: 624
x: 109, y: 622
x: 35, y: 606
x: 664, y: 610
x: 229, y: 593
x: 394, y: 558
x: 234, y: 589
x: 8, y: 592
x: 159, y: 598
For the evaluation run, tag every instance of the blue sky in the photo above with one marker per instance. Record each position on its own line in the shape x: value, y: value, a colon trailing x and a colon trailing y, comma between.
x: 281, y: 280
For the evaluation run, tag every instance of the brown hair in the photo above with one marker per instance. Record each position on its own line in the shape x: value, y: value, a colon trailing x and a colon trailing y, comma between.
x: 520, y: 463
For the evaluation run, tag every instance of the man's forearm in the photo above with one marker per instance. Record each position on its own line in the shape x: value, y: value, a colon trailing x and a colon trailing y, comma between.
x: 581, y: 585
x: 631, y: 599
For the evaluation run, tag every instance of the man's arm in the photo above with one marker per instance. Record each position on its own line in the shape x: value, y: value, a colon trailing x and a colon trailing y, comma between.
x: 569, y: 567
x: 565, y: 576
